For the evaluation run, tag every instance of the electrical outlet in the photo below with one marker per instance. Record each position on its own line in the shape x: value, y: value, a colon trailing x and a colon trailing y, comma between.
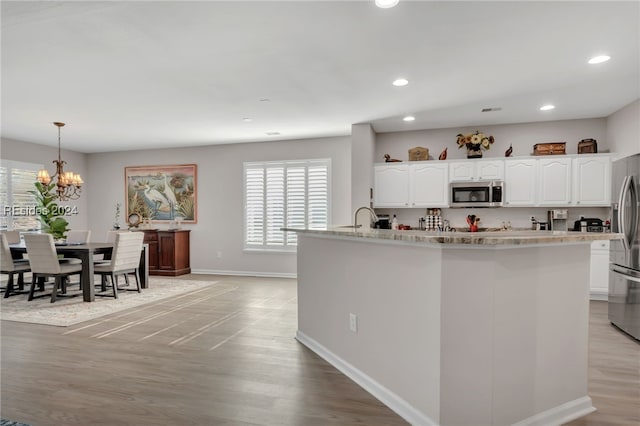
x: 353, y: 323
x: 219, y: 254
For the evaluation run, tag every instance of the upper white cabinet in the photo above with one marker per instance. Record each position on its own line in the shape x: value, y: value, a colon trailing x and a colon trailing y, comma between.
x: 474, y: 170
x: 391, y: 185
x: 424, y: 184
x: 547, y: 181
x: 429, y: 185
x: 554, y: 181
x: 520, y: 182
x: 592, y: 180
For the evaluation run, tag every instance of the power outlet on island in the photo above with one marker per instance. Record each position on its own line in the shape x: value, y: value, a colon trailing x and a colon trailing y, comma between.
x: 219, y: 254
x: 353, y: 323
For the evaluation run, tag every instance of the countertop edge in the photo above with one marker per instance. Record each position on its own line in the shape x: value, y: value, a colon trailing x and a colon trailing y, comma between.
x: 515, y: 238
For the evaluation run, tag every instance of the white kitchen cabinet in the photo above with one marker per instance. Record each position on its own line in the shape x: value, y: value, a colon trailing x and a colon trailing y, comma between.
x: 429, y: 185
x: 520, y: 182
x: 461, y: 171
x: 490, y: 170
x: 554, y: 181
x: 599, y: 271
x: 391, y: 185
x: 592, y: 180
x: 475, y: 170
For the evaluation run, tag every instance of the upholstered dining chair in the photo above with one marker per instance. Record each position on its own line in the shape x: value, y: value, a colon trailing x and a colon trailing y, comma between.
x: 77, y: 237
x: 12, y: 267
x: 125, y: 260
x: 44, y: 263
x: 13, y: 237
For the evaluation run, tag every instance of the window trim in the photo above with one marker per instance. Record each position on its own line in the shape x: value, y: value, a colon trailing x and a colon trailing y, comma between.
x: 264, y: 165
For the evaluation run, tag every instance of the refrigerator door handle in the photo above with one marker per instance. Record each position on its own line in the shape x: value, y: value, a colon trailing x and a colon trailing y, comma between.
x: 628, y: 277
x: 621, y: 212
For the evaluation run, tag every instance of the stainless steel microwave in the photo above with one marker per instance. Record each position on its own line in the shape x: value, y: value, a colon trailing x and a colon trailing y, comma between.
x: 477, y: 194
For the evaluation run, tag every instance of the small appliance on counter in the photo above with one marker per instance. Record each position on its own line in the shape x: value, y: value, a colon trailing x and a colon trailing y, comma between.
x: 557, y: 220
x: 383, y: 222
x: 588, y: 225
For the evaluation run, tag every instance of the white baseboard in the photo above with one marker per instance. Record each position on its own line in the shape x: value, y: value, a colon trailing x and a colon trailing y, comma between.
x: 390, y: 399
x: 561, y: 414
x: 598, y: 295
x: 556, y: 416
x: 245, y: 273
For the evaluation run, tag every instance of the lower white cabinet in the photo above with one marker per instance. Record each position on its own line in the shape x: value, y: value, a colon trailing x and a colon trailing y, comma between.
x: 599, y: 277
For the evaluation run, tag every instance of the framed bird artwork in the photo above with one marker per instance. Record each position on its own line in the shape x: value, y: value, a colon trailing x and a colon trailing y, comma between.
x: 162, y: 193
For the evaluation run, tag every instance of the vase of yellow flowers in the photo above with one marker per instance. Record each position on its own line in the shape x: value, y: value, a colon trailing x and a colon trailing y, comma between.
x: 475, y: 143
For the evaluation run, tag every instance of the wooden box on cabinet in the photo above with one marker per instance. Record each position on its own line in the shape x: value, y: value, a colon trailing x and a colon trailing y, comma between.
x: 168, y: 252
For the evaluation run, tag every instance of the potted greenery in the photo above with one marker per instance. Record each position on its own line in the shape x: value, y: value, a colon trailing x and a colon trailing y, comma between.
x: 49, y: 213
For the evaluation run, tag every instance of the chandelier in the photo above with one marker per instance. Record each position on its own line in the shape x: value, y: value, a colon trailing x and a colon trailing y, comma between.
x: 68, y: 184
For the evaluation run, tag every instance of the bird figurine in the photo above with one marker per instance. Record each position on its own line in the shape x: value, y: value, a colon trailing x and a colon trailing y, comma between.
x: 509, y: 151
x: 388, y: 159
x: 443, y: 155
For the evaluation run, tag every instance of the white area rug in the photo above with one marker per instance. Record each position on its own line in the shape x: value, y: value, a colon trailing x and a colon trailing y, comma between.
x: 69, y: 311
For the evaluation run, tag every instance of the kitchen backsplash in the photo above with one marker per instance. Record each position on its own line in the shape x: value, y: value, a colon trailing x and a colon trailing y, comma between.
x: 520, y: 217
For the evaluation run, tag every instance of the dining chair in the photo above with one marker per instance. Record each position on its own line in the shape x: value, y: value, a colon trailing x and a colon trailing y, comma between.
x: 44, y: 263
x: 125, y: 260
x: 76, y: 237
x: 111, y: 235
x: 13, y: 237
x: 11, y: 267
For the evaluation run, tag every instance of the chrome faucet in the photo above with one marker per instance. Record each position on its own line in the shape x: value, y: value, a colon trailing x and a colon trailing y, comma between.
x: 355, y: 216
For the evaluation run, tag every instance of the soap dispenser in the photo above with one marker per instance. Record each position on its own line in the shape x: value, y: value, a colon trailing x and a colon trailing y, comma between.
x: 394, y: 223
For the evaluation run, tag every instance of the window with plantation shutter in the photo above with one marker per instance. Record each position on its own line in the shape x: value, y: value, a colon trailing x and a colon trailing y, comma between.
x: 284, y: 194
x: 18, y: 205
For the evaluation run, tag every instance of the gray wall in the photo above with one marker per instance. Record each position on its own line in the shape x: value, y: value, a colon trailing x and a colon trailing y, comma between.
x: 522, y: 136
x: 623, y: 130
x: 220, y: 200
x: 220, y: 227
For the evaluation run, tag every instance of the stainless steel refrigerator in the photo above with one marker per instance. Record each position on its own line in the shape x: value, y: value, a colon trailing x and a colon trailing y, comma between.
x: 624, y: 275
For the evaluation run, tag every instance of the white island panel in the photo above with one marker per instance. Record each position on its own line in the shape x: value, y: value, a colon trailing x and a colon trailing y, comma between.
x: 491, y: 333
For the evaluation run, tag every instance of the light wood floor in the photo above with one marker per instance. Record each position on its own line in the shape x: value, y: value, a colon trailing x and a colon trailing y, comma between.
x: 227, y: 356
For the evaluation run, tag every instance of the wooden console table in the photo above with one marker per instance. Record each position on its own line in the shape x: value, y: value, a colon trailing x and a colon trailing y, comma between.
x: 168, y: 251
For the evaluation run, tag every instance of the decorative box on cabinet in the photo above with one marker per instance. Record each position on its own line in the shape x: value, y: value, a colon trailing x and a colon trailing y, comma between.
x: 168, y: 252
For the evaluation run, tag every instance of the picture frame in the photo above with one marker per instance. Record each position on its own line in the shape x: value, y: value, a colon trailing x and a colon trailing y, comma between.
x: 163, y: 193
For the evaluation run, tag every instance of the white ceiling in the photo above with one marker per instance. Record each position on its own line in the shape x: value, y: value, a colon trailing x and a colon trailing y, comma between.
x: 136, y: 75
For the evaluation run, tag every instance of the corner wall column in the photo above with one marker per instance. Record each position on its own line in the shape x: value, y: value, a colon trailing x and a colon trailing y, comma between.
x: 363, y: 140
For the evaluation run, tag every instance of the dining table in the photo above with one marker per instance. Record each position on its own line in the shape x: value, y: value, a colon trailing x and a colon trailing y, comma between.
x: 85, y: 253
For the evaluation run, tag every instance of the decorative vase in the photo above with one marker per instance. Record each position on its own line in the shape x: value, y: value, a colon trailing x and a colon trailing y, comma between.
x: 474, y: 152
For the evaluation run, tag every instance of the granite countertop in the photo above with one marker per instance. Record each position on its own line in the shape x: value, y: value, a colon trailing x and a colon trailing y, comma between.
x: 495, y: 238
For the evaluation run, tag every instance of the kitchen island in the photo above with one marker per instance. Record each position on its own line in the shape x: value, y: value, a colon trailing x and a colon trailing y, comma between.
x: 453, y: 328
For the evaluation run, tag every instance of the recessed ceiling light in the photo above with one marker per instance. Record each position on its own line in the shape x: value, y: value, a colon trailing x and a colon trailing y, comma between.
x: 273, y: 133
x: 399, y: 82
x: 386, y: 4
x: 409, y: 118
x: 547, y: 107
x: 599, y: 59
x: 247, y: 120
